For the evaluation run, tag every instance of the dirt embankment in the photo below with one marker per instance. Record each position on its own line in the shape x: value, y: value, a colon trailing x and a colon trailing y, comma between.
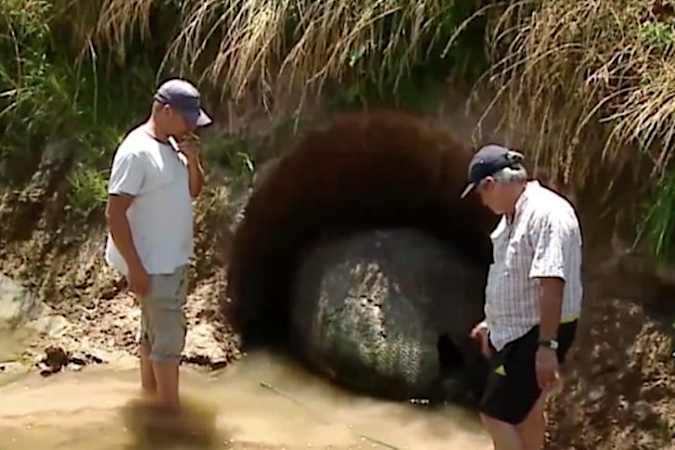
x: 620, y: 382
x: 620, y: 390
x: 56, y: 253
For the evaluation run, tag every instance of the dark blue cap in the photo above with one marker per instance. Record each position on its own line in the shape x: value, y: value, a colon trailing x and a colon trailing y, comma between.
x: 487, y: 161
x: 183, y: 97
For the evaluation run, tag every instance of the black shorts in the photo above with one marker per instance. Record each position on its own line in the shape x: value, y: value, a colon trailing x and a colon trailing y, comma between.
x: 512, y: 389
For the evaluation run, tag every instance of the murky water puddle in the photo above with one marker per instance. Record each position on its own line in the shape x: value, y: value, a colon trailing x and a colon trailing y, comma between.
x: 261, y: 402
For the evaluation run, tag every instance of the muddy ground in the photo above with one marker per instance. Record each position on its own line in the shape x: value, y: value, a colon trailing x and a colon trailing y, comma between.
x: 620, y: 390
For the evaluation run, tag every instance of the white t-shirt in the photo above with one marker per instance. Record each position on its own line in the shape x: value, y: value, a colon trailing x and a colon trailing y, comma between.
x: 160, y: 217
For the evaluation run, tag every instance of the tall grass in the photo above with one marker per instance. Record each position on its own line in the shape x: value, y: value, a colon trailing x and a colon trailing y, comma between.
x: 591, y: 84
x: 281, y: 49
x: 46, y: 90
x: 574, y: 73
x: 569, y: 74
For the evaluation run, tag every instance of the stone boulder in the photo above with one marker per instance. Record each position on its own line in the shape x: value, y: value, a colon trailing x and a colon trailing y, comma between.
x: 23, y: 318
x: 389, y: 312
x: 16, y: 304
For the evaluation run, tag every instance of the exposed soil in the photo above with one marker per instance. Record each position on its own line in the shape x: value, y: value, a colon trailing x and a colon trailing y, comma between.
x: 620, y: 389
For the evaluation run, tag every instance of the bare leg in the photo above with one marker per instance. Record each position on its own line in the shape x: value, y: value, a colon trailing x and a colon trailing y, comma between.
x: 166, y: 374
x: 148, y: 381
x: 504, y: 435
x: 532, y: 430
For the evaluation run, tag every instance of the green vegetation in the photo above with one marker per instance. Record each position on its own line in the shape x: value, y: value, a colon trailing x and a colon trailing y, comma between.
x: 233, y: 154
x: 89, y: 189
x: 660, y: 220
x: 50, y: 89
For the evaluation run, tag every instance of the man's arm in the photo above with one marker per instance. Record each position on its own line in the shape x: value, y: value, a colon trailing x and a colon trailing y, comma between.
x: 190, y: 150
x: 118, y: 224
x: 481, y: 333
x: 195, y: 174
x: 550, y: 304
x: 552, y: 236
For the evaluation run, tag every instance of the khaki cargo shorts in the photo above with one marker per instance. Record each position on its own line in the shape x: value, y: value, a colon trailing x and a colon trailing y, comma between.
x: 163, y: 324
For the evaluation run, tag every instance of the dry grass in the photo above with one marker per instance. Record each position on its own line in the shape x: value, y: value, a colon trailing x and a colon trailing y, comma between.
x: 563, y: 67
x: 560, y: 68
x: 119, y: 18
x: 111, y: 22
x: 274, y: 47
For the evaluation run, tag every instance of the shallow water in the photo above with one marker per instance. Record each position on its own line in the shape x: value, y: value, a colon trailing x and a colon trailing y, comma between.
x: 13, y: 342
x: 261, y: 402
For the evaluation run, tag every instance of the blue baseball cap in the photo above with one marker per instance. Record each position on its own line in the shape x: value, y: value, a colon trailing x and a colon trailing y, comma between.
x: 183, y: 97
x: 487, y: 161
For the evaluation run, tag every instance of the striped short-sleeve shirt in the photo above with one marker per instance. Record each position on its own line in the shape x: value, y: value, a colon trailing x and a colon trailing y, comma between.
x: 543, y: 240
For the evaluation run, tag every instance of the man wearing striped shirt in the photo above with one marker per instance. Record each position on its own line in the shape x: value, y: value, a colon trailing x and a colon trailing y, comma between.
x: 532, y: 299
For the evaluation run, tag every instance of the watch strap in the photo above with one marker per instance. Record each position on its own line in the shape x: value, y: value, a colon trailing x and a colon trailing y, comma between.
x: 549, y: 343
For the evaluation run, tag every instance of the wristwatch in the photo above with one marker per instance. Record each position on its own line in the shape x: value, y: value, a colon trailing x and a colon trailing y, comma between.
x: 550, y: 343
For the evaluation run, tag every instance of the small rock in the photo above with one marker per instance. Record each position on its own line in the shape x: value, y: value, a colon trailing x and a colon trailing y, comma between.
x: 596, y: 369
x: 202, y: 348
x: 642, y: 411
x: 77, y: 361
x: 95, y: 359
x: 75, y: 367
x: 596, y: 394
x: 54, y: 326
x: 216, y: 365
x: 55, y: 358
x: 206, y: 314
x: 623, y: 403
x: 56, y: 152
x: 654, y: 393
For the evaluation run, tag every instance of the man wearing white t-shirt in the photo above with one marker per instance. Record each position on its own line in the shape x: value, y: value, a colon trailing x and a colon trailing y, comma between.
x: 156, y: 173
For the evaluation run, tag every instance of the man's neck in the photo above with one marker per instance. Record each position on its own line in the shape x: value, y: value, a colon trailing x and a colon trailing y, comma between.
x: 155, y: 131
x: 518, y: 192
